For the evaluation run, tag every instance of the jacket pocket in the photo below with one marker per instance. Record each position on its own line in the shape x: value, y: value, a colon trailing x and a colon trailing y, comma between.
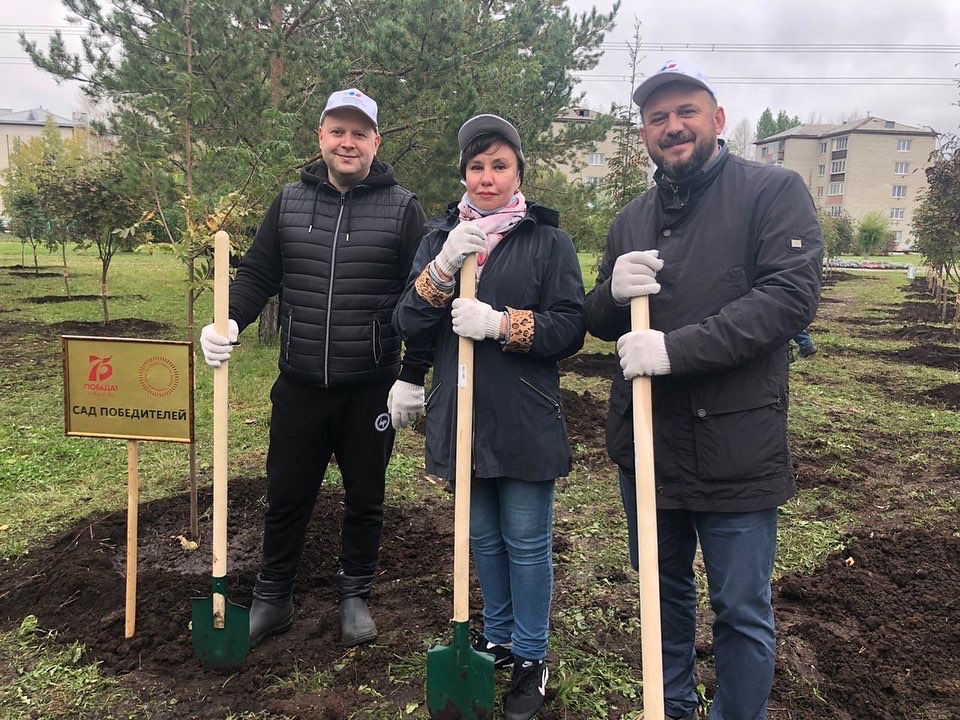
x: 433, y: 394
x: 741, y: 438
x: 377, y: 342
x: 286, y: 331
x: 543, y: 398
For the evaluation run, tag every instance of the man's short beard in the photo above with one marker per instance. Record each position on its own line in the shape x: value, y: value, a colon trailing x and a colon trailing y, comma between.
x: 684, y: 170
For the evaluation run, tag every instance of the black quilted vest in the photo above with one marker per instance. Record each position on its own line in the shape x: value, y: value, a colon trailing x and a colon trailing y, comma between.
x: 341, y: 279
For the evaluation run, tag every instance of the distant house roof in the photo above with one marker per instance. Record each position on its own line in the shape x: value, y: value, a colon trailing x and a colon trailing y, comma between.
x: 863, y: 125
x: 34, y: 116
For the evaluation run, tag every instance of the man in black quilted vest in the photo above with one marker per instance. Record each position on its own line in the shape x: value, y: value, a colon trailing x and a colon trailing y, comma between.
x: 337, y: 247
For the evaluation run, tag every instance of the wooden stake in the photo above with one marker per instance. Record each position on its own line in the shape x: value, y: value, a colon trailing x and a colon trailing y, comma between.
x: 133, y: 505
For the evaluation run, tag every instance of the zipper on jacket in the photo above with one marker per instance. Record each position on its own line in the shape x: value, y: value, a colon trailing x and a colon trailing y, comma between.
x: 333, y: 273
x: 542, y: 394
x: 286, y: 350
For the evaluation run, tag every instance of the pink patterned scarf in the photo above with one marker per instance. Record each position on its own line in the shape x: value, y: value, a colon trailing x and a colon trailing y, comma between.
x: 495, y: 224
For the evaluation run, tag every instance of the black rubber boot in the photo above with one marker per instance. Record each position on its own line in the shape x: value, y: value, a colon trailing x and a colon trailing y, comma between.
x: 271, y: 611
x: 356, y: 625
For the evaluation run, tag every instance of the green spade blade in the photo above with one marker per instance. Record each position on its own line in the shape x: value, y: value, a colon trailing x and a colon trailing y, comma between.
x: 459, y: 679
x: 225, y: 646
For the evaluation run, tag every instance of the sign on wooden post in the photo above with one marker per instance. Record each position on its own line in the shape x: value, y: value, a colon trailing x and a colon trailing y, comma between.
x: 134, y: 389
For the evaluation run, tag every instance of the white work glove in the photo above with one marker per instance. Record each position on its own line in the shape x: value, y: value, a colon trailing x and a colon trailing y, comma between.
x: 465, y: 238
x: 216, y: 347
x: 475, y: 320
x: 404, y: 403
x: 635, y: 275
x: 643, y: 352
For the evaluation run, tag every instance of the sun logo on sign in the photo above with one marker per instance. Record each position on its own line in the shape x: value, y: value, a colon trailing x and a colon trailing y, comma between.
x: 158, y: 376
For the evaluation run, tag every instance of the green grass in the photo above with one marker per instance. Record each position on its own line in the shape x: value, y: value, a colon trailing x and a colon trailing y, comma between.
x: 49, y: 481
x: 46, y: 679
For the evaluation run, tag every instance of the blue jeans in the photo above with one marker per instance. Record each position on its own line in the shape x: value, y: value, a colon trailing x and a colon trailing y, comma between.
x: 511, y: 532
x: 803, y: 339
x: 738, y: 552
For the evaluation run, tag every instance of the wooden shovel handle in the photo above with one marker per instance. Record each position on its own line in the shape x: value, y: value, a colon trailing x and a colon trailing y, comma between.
x: 647, y: 529
x: 461, y: 518
x: 221, y: 317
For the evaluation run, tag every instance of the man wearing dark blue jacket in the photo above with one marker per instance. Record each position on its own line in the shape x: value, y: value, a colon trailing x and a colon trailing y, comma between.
x: 337, y: 246
x: 729, y: 252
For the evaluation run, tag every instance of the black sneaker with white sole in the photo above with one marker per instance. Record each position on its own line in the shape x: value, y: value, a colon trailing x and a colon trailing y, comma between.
x: 502, y: 654
x: 528, y: 688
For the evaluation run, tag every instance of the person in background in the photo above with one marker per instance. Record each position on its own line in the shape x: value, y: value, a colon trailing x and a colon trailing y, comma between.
x: 337, y: 247
x: 528, y: 315
x: 805, y: 343
x: 729, y: 252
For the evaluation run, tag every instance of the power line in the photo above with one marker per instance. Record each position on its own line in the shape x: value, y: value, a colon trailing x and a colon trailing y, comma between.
x: 664, y: 46
x: 796, y: 80
x: 820, y: 48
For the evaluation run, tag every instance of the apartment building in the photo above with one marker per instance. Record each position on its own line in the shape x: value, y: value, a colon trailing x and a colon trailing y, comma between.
x: 858, y: 166
x: 25, y: 125
x: 591, y: 166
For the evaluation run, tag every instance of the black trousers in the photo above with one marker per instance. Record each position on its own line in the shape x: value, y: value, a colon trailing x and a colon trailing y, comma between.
x: 307, y: 426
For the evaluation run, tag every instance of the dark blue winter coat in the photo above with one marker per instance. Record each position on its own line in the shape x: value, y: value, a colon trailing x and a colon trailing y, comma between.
x: 519, y: 424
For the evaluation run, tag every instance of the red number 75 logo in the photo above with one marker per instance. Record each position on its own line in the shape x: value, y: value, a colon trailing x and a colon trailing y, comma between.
x: 100, y: 368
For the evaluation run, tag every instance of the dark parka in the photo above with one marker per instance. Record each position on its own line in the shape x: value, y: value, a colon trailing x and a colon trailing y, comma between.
x: 742, y: 252
x: 519, y: 424
x: 339, y: 261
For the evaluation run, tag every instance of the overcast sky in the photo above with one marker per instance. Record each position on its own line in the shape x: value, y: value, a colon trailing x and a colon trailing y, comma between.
x: 912, y: 80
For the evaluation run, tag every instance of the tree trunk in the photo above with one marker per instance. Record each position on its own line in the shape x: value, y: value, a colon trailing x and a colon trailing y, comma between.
x: 191, y: 267
x: 103, y: 296
x: 270, y: 315
x: 269, y: 321
x: 66, y: 274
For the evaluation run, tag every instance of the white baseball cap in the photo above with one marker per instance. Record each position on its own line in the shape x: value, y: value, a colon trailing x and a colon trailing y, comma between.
x: 484, y: 124
x: 355, y: 99
x: 672, y: 71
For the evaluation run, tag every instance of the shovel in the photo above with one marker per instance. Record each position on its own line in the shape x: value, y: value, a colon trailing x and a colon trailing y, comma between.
x: 651, y: 651
x: 220, y: 628
x: 460, y: 679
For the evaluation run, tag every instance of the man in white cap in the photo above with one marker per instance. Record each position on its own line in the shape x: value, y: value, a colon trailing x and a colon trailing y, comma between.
x: 337, y: 247
x: 729, y: 252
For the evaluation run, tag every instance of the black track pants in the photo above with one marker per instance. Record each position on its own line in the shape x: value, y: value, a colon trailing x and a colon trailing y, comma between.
x: 307, y: 426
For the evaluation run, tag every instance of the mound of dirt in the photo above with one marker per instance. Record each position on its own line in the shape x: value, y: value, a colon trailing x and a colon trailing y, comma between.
x: 874, y: 637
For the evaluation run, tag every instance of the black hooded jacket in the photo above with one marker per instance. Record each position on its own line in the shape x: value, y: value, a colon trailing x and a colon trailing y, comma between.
x: 339, y: 261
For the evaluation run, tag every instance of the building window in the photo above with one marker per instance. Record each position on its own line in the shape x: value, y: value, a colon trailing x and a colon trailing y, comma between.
x: 594, y: 180
x: 823, y: 147
x: 901, y: 168
x: 763, y: 151
x: 596, y: 159
x: 896, y: 213
x: 820, y: 191
x: 840, y: 143
x: 835, y: 189
x: 838, y: 166
x: 904, y: 145
x: 835, y: 210
x: 821, y: 169
x: 898, y: 236
x: 899, y: 191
